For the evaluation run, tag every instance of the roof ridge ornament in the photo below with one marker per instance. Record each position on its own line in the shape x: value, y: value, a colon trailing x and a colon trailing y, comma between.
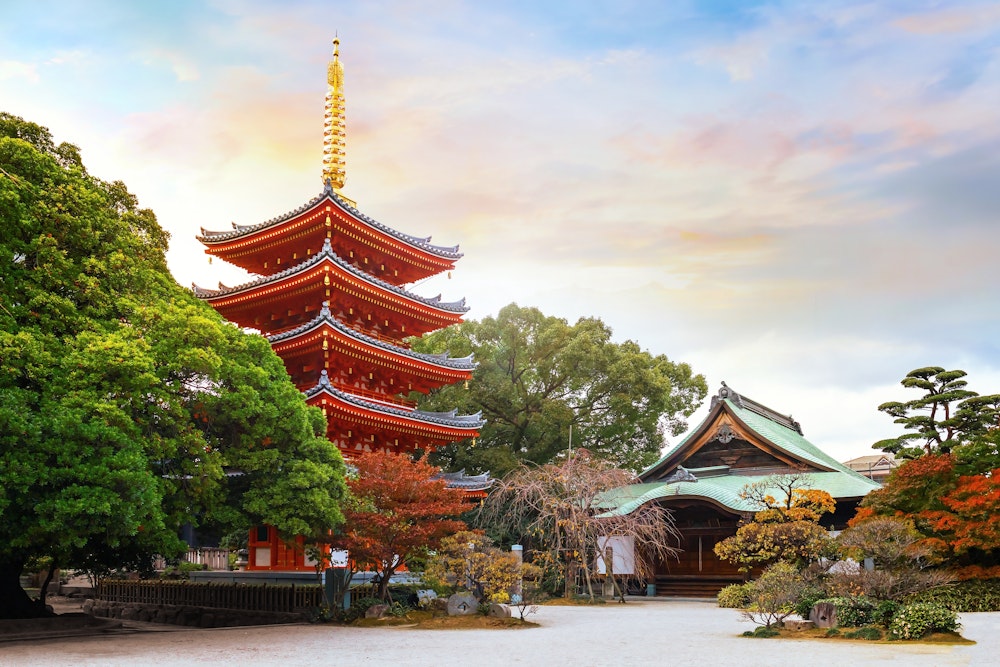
x: 334, y: 124
x: 680, y: 474
x: 726, y: 392
x: 724, y: 434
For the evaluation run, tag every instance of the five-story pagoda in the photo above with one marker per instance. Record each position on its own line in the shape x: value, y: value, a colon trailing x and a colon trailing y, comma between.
x: 330, y: 295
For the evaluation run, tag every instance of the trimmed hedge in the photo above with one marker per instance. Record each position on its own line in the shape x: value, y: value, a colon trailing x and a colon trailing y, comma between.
x: 915, y: 620
x: 963, y: 596
x: 734, y: 596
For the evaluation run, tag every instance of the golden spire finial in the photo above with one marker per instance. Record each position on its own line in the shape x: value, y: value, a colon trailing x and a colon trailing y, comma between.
x: 335, y: 129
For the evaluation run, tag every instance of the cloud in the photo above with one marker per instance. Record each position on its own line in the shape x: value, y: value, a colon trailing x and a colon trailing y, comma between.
x: 13, y: 69
x: 977, y: 17
x: 183, y: 67
x: 742, y: 59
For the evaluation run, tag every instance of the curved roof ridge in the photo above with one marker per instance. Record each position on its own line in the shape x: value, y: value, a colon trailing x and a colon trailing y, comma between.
x: 424, y: 243
x: 474, y: 421
x: 239, y: 230
x: 781, y: 430
x: 460, y: 363
x: 328, y: 253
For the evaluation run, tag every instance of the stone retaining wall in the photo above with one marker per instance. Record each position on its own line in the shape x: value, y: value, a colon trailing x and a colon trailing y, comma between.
x: 198, y: 617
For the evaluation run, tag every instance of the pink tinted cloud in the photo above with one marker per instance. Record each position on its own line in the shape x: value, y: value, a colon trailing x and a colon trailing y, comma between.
x: 947, y: 20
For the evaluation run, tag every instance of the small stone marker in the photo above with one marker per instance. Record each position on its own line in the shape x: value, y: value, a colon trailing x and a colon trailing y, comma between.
x: 798, y: 625
x: 499, y: 611
x: 426, y: 597
x: 376, y: 611
x: 462, y: 604
x: 824, y: 615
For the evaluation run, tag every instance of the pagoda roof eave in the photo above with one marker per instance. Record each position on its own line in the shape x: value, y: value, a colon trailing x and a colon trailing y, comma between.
x: 328, y: 194
x: 326, y: 317
x: 327, y: 254
x: 459, y: 480
x: 470, y: 423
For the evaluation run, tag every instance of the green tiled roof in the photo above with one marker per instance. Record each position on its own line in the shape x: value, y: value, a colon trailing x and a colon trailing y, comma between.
x: 782, y: 432
x: 786, y: 439
x: 725, y: 490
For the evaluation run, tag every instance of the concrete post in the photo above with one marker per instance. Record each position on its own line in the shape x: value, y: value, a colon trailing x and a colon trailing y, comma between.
x: 518, y: 552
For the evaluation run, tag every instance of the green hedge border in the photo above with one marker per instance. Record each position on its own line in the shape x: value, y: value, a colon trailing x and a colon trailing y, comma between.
x: 964, y: 596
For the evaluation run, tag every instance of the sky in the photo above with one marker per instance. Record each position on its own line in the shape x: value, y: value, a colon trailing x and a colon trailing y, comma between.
x: 801, y: 199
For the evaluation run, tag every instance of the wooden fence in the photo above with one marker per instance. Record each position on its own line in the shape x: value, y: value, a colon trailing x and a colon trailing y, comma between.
x: 246, y: 597
x: 210, y: 558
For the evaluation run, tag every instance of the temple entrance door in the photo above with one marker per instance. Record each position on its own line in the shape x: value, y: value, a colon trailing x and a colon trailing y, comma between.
x: 697, y: 570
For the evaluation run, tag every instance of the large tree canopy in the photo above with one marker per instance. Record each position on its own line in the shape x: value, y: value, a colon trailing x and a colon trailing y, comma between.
x: 948, y: 415
x: 947, y: 489
x: 538, y: 376
x: 128, y: 407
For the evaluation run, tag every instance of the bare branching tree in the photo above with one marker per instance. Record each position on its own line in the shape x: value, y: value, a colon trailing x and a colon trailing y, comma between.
x: 566, y: 508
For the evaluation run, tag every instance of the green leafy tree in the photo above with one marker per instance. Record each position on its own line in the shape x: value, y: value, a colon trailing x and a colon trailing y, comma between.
x: 946, y: 416
x: 126, y: 404
x: 539, y: 376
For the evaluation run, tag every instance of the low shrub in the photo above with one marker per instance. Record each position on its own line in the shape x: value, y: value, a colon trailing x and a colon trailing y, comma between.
x: 853, y: 612
x: 885, y: 611
x: 963, y: 596
x: 761, y: 632
x: 182, y: 570
x: 868, y: 632
x: 773, y: 594
x: 833, y: 632
x: 357, y: 609
x: 807, y: 600
x: 734, y: 596
x: 398, y: 609
x: 917, y: 619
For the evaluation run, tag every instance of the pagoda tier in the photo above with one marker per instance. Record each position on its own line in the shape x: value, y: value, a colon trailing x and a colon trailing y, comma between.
x: 359, y: 363
x: 358, y: 425
x: 270, y: 247
x: 291, y: 298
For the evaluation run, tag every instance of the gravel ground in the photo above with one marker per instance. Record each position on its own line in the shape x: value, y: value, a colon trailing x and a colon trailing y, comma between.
x: 650, y: 632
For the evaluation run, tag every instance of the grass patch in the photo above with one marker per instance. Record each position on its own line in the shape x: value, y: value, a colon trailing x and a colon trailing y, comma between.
x: 429, y: 620
x: 867, y: 633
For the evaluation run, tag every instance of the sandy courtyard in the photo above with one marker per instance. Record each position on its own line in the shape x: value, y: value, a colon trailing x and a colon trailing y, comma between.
x: 639, y: 633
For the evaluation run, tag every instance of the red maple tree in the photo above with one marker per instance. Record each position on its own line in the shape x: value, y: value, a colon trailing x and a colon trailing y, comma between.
x: 959, y: 515
x: 396, y: 511
x: 971, y: 521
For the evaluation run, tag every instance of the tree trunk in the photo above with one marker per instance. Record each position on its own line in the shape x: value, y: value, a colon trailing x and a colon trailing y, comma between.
x: 44, y: 588
x: 14, y: 601
x: 383, y: 585
x: 618, y: 587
